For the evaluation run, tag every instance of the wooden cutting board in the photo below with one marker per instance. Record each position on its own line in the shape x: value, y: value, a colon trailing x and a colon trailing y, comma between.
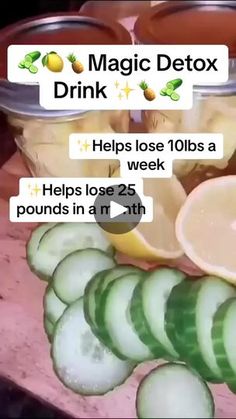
x: 24, y: 349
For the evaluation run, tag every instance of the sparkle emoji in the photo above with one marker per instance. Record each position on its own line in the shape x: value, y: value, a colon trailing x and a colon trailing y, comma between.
x: 76, y: 65
x: 33, y: 191
x: 84, y: 146
x: 127, y: 90
x: 53, y: 62
x: 148, y: 93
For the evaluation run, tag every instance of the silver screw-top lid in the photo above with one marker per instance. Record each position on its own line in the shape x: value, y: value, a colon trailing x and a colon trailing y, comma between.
x: 193, y: 23
x: 57, y: 29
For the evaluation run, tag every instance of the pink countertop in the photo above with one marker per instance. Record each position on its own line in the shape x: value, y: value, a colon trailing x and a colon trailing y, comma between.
x: 24, y: 349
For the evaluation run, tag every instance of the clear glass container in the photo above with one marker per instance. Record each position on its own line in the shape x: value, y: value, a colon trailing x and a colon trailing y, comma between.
x: 210, y: 114
x: 214, y: 106
x: 43, y: 136
x: 44, y: 143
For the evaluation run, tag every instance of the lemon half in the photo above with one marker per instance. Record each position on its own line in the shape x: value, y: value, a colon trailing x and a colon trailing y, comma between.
x: 157, y: 240
x: 206, y: 227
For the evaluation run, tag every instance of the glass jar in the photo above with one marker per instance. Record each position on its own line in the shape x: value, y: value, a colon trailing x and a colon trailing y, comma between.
x: 44, y: 143
x: 42, y: 136
x: 214, y: 106
x: 210, y: 114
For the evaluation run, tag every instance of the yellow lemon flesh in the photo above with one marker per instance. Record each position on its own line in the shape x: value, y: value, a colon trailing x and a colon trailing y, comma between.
x: 206, y: 227
x: 55, y: 63
x: 155, y: 241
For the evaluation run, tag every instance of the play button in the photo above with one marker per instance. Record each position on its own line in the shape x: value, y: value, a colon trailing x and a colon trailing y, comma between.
x: 116, y: 209
x: 119, y: 212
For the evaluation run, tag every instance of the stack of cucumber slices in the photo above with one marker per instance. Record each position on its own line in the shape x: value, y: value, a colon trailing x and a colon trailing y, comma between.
x: 103, y: 319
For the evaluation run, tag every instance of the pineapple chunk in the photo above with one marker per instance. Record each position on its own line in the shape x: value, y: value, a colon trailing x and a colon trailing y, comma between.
x: 45, y: 144
x: 156, y: 121
x: 222, y: 124
x: 168, y: 122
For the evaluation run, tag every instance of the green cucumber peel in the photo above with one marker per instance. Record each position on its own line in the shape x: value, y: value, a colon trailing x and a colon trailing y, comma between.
x: 141, y: 325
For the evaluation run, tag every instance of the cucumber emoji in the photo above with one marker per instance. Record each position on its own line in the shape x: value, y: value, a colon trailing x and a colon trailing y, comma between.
x: 27, y: 64
x: 21, y: 64
x: 33, y: 56
x: 170, y: 88
x: 174, y: 84
x: 163, y: 92
x: 174, y: 96
x: 169, y: 92
x: 33, y: 69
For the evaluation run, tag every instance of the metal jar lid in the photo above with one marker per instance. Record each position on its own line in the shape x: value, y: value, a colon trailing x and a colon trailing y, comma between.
x: 56, y: 29
x: 193, y: 23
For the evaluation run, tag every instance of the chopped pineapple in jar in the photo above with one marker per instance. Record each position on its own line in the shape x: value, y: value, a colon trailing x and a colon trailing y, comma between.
x: 209, y: 115
x: 168, y: 122
x: 44, y: 144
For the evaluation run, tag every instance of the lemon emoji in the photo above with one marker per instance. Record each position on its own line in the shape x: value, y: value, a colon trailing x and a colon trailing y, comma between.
x: 53, y: 62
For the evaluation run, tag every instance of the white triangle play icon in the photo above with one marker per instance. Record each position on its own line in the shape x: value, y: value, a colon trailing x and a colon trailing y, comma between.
x: 116, y: 209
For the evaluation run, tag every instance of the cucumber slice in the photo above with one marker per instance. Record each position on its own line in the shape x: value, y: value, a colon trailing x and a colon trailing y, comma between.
x: 80, y: 361
x: 174, y: 391
x: 174, y: 84
x: 65, y: 238
x: 27, y: 64
x: 33, y: 56
x: 105, y: 280
x: 169, y: 92
x: 49, y: 328
x: 33, y: 245
x: 204, y: 298
x: 141, y: 325
x: 116, y: 318
x: 36, y: 235
x: 21, y: 64
x: 33, y: 69
x: 151, y: 302
x: 224, y: 341
x: 90, y: 301
x: 163, y: 92
x: 74, y: 272
x: 175, y: 96
x: 90, y: 309
x: 28, y: 59
x: 174, y: 317
x: 53, y: 306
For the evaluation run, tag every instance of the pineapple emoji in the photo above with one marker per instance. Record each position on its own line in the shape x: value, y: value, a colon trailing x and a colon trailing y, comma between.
x: 149, y: 94
x: 76, y: 65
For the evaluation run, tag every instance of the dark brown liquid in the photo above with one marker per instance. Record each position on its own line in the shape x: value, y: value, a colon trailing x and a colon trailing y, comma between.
x: 61, y: 30
x: 195, y: 177
x: 81, y: 36
x: 202, y: 26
